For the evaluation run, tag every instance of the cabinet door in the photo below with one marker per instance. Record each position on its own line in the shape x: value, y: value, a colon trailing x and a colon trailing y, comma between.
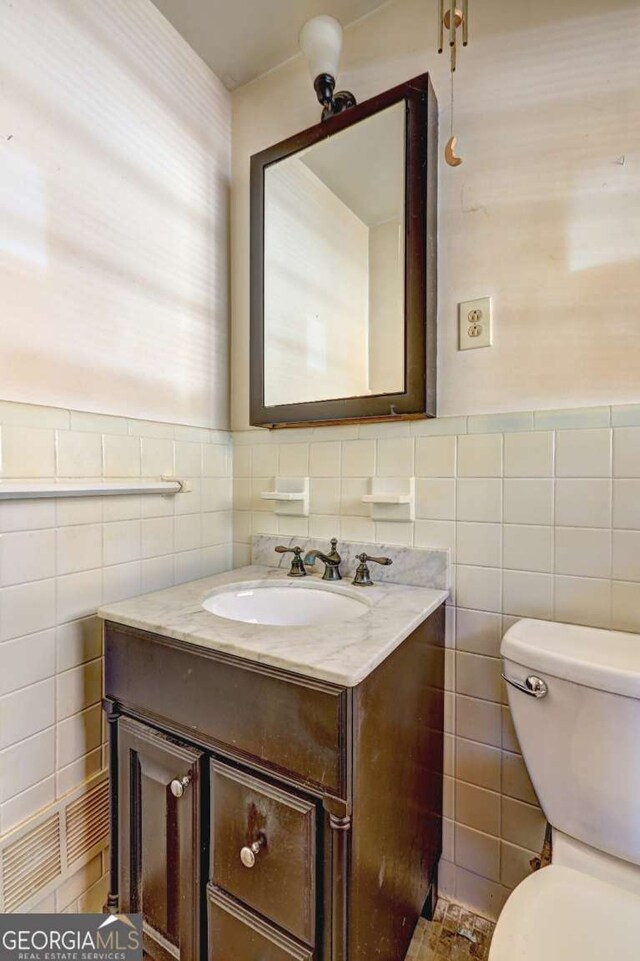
x: 159, y: 787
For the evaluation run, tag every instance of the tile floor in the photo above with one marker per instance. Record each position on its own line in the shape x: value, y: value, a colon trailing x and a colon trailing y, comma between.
x: 455, y: 934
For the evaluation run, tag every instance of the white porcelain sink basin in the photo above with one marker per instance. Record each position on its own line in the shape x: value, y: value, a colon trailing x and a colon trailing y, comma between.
x: 284, y: 606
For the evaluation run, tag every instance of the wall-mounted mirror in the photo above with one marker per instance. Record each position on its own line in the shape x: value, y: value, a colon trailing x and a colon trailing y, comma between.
x: 343, y: 266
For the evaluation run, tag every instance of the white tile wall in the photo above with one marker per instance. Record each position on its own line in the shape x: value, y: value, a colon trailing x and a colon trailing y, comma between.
x: 541, y: 512
x: 60, y: 559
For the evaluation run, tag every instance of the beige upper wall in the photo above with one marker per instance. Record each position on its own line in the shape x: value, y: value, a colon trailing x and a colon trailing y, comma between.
x: 114, y: 180
x: 540, y: 216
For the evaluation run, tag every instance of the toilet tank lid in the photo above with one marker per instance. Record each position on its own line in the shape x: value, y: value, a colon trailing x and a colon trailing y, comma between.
x: 605, y: 660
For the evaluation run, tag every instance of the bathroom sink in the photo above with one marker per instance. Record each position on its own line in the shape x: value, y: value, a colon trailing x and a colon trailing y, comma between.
x: 285, y: 606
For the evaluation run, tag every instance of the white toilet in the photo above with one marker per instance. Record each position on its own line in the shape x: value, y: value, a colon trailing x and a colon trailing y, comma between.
x: 575, y: 698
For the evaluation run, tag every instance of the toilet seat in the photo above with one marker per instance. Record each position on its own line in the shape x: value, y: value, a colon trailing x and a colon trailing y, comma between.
x: 560, y: 914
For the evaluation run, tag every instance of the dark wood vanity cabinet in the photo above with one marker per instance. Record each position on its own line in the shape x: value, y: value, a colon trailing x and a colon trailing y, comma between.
x: 259, y: 815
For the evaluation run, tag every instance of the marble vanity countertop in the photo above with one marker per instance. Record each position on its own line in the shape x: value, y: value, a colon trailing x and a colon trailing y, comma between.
x: 342, y: 653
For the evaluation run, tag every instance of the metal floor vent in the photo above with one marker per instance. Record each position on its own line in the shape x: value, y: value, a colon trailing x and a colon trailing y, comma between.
x: 42, y: 853
x: 87, y: 823
x: 31, y: 863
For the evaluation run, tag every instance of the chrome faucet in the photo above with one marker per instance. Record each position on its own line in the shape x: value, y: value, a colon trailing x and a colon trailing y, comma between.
x: 331, y: 561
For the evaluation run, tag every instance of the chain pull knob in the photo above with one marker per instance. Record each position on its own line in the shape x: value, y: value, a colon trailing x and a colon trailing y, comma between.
x: 179, y: 785
x: 248, y: 854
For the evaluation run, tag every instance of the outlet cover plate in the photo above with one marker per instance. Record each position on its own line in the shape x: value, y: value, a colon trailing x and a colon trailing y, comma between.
x: 474, y: 324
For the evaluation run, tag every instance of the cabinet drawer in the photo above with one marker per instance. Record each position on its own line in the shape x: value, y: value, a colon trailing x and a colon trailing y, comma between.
x: 294, y: 725
x: 281, y: 884
x: 236, y: 934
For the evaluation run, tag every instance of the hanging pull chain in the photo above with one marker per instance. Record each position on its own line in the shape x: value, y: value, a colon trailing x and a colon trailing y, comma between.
x: 451, y: 106
x: 450, y: 150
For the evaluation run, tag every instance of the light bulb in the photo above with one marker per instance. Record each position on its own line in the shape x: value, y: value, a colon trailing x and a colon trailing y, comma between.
x: 321, y: 43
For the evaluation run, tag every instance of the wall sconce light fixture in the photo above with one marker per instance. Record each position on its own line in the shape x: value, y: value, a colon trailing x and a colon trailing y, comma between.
x: 321, y: 43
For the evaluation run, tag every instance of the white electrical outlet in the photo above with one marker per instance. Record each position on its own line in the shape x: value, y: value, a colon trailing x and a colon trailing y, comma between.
x: 474, y: 323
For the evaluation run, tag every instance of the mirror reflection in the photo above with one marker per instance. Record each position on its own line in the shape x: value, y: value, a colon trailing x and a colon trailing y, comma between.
x: 334, y: 265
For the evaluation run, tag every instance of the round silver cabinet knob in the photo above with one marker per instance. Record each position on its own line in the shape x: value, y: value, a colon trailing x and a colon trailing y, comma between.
x: 248, y: 854
x: 179, y: 785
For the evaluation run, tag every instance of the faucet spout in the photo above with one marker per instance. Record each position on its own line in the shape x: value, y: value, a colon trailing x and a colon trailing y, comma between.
x: 331, y: 561
x: 312, y: 556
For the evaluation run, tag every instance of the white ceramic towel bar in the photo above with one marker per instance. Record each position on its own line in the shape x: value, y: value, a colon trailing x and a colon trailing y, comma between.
x: 24, y: 490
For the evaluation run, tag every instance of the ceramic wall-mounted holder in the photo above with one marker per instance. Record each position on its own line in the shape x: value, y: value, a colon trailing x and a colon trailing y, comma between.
x: 391, y: 498
x: 290, y: 495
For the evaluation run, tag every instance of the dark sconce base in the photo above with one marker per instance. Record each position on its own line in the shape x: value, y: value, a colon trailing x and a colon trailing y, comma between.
x: 331, y: 104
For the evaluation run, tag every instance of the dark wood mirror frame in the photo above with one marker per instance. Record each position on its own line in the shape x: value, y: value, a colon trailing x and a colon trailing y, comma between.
x: 418, y: 400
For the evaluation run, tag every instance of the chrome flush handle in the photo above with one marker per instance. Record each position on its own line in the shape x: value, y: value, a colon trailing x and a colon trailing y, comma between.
x: 533, y: 686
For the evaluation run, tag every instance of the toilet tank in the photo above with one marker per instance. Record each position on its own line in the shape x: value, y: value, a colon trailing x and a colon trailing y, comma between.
x: 581, y: 740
